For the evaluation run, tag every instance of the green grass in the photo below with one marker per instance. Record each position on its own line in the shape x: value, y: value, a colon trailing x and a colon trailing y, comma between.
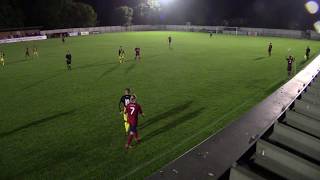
x: 56, y: 124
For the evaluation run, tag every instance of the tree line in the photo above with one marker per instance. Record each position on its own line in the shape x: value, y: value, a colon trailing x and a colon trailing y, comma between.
x: 142, y: 12
x: 46, y: 13
x: 52, y: 14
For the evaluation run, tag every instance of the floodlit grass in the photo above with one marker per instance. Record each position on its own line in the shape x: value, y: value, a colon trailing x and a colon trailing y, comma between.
x: 57, y: 124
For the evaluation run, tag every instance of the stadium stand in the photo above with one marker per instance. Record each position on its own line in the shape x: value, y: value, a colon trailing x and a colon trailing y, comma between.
x: 19, y: 32
x: 20, y: 35
x: 292, y: 150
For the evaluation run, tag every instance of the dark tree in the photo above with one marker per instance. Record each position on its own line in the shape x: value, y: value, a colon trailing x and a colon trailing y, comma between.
x: 11, y: 14
x: 123, y: 15
x: 147, y: 12
x: 49, y: 14
x: 77, y: 14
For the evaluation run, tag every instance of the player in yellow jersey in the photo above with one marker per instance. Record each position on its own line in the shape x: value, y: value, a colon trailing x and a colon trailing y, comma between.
x: 124, y: 101
x: 35, y: 52
x: 122, y: 55
x: 2, y: 58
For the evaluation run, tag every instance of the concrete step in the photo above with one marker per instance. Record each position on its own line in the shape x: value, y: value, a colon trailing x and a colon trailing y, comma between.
x: 316, y: 85
x: 242, y: 173
x: 307, y: 109
x: 317, y: 79
x: 304, y: 123
x: 313, y: 91
x: 297, y: 140
x: 284, y: 163
x: 310, y: 98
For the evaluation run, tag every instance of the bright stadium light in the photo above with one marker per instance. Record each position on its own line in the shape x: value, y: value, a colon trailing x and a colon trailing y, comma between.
x: 312, y: 7
x: 317, y: 26
x: 165, y: 2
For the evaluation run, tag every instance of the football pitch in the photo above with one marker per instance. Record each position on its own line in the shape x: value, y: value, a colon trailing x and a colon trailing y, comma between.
x: 59, y: 124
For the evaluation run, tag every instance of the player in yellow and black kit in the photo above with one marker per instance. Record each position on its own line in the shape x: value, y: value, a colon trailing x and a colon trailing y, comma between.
x: 35, y: 52
x: 124, y: 101
x: 2, y: 58
x: 122, y: 55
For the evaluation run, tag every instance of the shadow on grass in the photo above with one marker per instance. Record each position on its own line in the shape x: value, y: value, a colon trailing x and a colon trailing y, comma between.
x: 173, y: 124
x: 171, y: 112
x: 62, y: 72
x: 259, y: 58
x: 35, y: 123
x: 93, y: 65
x: 109, y: 71
x: 302, y: 63
x: 305, y: 62
x: 152, y: 56
x: 131, y: 67
x: 16, y: 62
x: 275, y: 86
x: 40, y: 81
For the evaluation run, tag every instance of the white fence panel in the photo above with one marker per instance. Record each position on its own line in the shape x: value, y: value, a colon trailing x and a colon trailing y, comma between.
x: 220, y: 29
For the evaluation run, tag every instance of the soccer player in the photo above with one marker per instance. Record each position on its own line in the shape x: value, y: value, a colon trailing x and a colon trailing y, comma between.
x: 133, y: 111
x: 308, y: 50
x: 63, y: 38
x: 270, y: 49
x: 211, y: 34
x: 68, y: 60
x: 124, y: 101
x: 290, y: 61
x: 27, y: 53
x: 2, y: 58
x: 35, y: 52
x: 170, y: 41
x: 138, y: 54
x: 122, y: 55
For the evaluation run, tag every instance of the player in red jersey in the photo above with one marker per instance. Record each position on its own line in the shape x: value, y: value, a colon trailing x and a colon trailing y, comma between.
x: 138, y: 54
x: 133, y: 111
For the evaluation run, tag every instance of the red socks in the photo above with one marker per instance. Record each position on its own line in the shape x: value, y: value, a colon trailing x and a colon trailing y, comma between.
x: 129, y: 139
x: 136, y: 136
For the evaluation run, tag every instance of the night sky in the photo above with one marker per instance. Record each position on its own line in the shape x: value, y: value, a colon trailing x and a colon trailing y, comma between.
x: 258, y: 13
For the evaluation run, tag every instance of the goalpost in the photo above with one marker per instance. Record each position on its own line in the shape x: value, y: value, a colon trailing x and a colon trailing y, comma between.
x: 231, y: 30
x: 224, y: 30
x: 240, y: 31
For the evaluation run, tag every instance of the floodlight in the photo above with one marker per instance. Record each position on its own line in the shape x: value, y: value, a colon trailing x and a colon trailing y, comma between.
x: 312, y: 7
x: 165, y: 2
x: 317, y: 26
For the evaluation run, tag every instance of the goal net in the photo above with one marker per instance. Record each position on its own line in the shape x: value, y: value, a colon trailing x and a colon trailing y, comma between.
x: 231, y: 30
